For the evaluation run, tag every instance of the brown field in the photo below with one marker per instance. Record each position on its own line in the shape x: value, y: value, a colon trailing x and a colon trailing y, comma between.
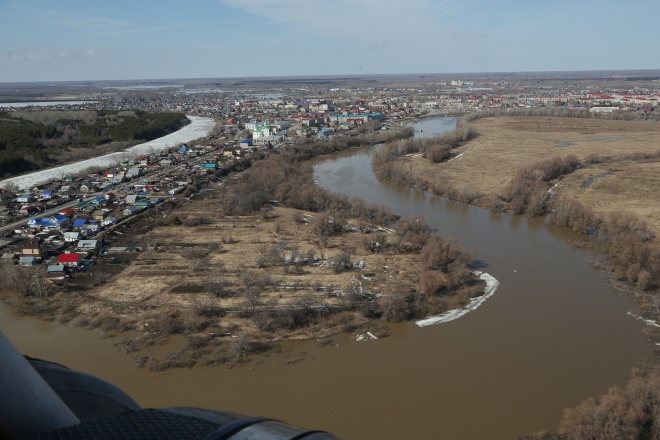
x: 506, y: 144
x: 176, y: 277
x: 632, y: 187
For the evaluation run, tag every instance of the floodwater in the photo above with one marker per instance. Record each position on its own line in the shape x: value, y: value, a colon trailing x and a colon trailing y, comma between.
x: 553, y: 334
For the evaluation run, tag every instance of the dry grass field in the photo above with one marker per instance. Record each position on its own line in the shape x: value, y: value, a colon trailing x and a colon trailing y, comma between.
x: 226, y: 252
x: 631, y: 186
x: 486, y: 164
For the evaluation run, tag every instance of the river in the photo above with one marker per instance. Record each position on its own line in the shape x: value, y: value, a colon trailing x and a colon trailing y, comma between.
x: 553, y: 334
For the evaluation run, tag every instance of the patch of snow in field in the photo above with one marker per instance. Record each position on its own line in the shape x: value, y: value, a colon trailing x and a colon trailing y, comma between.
x: 198, y: 128
x: 491, y: 287
x: 460, y: 156
x: 550, y: 191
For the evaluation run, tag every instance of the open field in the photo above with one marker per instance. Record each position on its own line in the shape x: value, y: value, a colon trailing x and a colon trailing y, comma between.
x: 485, y: 165
x: 630, y: 186
x: 243, y: 265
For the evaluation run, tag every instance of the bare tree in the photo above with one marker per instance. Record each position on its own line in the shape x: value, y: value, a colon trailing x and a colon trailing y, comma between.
x: 375, y: 242
x: 10, y: 186
x: 218, y: 287
x: 20, y: 280
x: 341, y: 262
x: 241, y: 347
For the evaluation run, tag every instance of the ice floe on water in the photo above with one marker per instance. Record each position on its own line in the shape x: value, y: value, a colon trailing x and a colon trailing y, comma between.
x: 199, y: 127
x: 650, y: 322
x: 491, y: 287
x: 365, y: 337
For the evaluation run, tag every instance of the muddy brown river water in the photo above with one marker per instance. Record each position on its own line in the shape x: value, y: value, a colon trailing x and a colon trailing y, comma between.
x: 553, y: 334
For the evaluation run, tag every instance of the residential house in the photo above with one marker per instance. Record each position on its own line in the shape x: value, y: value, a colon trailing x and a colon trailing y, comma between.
x: 67, y: 212
x: 143, y: 204
x: 91, y: 229
x: 87, y: 245
x: 130, y: 210
x: 25, y: 198
x: 99, y: 214
x: 109, y: 221
x: 70, y: 237
x: 8, y: 257
x: 28, y: 261
x: 87, y: 187
x: 28, y: 210
x: 34, y: 248
x: 79, y: 223
x: 131, y: 199
x: 55, y: 268
x: 133, y: 172
x: 58, y: 222
x: 69, y: 260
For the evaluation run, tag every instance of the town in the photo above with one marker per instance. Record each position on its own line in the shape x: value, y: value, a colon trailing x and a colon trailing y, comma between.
x: 63, y: 223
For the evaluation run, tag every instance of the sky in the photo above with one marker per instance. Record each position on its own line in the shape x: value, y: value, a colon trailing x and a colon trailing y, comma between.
x: 80, y: 40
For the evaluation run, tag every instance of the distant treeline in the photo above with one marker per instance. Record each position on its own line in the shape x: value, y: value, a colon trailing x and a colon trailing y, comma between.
x: 562, y: 113
x: 30, y: 139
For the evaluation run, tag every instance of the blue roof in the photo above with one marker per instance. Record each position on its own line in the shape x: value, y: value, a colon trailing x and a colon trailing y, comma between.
x: 79, y: 222
x: 47, y: 193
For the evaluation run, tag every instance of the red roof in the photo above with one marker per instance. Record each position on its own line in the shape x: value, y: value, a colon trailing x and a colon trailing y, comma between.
x: 68, y: 258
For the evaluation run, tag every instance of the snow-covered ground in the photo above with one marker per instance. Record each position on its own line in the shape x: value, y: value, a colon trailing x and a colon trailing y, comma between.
x: 198, y: 128
x: 491, y: 287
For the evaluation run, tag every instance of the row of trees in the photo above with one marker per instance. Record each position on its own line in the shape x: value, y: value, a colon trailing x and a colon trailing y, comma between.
x: 561, y: 113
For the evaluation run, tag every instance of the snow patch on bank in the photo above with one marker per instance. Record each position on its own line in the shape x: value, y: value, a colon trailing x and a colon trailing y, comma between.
x: 199, y: 127
x: 649, y: 322
x: 491, y: 287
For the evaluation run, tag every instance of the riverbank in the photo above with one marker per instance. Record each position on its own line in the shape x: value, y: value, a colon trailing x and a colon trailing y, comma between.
x: 482, y: 169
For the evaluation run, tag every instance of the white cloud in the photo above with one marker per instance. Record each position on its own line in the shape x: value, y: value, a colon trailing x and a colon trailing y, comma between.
x: 91, y: 52
x: 78, y: 21
x: 130, y: 31
x: 350, y: 18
